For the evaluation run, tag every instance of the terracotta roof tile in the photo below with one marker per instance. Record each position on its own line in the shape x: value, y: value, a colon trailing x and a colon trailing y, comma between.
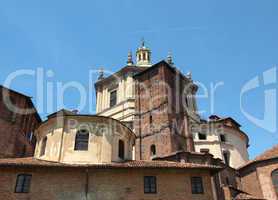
x: 241, y: 195
x: 268, y: 154
x: 33, y: 162
x: 245, y: 196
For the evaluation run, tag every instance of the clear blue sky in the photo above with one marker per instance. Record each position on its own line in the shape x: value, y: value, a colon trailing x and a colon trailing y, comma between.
x: 228, y: 41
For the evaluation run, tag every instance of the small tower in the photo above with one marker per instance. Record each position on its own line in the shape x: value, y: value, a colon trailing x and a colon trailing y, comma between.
x: 170, y: 58
x: 129, y: 59
x: 143, y: 56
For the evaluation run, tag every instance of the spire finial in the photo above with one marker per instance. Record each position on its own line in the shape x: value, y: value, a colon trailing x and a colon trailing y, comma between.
x: 101, y: 73
x: 143, y: 42
x: 170, y: 58
x: 129, y: 58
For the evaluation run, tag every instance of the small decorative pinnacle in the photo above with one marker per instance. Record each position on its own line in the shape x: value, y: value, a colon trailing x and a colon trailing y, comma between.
x: 129, y: 58
x: 75, y: 111
x: 189, y: 75
x: 101, y: 74
x: 170, y: 58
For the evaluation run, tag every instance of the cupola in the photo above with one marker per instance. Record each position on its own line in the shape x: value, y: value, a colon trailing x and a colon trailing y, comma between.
x: 143, y: 56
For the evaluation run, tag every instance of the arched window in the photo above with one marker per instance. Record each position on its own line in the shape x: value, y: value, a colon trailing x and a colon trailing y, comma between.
x: 274, y: 177
x: 121, y: 152
x: 153, y: 150
x: 81, y: 140
x: 43, y: 146
x: 144, y: 56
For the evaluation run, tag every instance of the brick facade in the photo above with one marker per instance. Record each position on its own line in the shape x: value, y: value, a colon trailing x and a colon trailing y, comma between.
x: 161, y: 116
x: 256, y: 179
x: 259, y: 176
x: 15, y: 128
x: 82, y: 183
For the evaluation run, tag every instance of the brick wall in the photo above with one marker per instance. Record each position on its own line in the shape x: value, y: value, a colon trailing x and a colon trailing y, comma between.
x: 256, y: 179
x: 160, y: 113
x: 109, y: 184
x: 15, y: 127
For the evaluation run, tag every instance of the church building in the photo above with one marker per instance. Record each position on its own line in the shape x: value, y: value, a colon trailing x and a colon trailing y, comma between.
x: 146, y: 142
x: 161, y: 90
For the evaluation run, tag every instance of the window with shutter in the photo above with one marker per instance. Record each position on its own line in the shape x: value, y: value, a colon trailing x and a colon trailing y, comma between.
x: 23, y: 183
x: 149, y: 184
x: 197, y: 185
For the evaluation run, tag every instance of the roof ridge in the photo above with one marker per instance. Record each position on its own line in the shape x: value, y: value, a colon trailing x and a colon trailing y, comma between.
x: 268, y: 153
x: 35, y: 162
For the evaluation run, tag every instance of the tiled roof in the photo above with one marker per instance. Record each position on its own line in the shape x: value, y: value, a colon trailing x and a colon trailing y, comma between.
x: 245, y: 196
x: 11, y: 90
x: 61, y: 112
x: 33, y: 162
x: 241, y: 195
x: 269, y: 154
x: 216, y: 118
x: 28, y: 98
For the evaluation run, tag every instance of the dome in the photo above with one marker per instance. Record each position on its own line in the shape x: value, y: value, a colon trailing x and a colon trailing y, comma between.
x: 88, y: 139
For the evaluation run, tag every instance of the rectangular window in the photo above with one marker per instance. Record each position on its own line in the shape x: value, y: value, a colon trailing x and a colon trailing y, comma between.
x: 81, y: 140
x: 121, y: 152
x: 197, y: 185
x: 113, y: 98
x: 151, y: 121
x: 150, y: 184
x: 226, y: 156
x: 23, y: 183
x: 202, y: 136
x: 222, y: 138
x: 43, y: 146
